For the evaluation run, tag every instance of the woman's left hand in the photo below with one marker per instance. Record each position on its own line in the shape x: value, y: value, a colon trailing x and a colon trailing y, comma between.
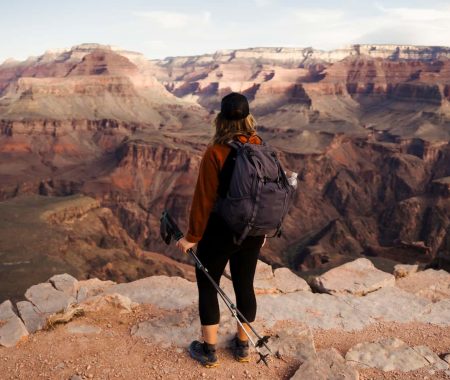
x: 183, y: 245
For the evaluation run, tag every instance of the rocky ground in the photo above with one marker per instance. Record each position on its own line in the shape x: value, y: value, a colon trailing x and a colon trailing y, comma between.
x: 365, y: 324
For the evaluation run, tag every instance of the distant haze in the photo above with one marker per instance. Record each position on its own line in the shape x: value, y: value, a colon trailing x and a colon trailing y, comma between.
x: 182, y: 27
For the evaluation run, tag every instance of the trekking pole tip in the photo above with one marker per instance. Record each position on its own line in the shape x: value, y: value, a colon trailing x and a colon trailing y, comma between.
x: 263, y: 358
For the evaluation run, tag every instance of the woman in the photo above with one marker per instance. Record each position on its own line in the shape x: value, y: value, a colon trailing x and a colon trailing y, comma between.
x: 215, y: 239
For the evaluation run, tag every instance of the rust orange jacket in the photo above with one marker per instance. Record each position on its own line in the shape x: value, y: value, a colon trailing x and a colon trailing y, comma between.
x: 205, y: 193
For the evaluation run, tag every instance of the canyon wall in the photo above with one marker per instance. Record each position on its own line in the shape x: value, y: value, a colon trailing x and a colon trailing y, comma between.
x: 366, y: 128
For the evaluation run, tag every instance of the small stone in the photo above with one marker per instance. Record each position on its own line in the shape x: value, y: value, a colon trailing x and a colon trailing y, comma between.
x: 327, y: 365
x: 33, y: 319
x: 12, y: 329
x: 47, y: 299
x: 403, y: 270
x: 295, y: 342
x: 65, y: 283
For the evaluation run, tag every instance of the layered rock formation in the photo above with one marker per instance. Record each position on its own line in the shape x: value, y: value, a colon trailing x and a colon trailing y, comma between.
x: 366, y: 128
x: 41, y: 236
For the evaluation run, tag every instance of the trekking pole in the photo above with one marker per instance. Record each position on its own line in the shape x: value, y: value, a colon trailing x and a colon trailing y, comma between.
x: 168, y: 230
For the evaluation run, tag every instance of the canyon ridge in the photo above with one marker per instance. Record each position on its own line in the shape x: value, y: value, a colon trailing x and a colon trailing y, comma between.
x: 95, y: 142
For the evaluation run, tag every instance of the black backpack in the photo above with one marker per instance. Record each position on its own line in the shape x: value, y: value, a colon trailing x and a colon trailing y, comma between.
x: 259, y: 194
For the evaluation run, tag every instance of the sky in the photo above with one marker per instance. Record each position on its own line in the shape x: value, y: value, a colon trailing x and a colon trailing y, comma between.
x: 159, y: 29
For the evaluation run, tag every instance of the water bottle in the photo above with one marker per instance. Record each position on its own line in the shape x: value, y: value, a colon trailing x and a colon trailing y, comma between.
x: 293, y: 179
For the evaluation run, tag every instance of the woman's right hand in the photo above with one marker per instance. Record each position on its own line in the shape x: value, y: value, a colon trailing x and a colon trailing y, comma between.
x: 184, y: 245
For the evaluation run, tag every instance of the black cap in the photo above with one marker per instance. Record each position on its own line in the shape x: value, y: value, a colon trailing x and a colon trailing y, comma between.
x: 234, y: 106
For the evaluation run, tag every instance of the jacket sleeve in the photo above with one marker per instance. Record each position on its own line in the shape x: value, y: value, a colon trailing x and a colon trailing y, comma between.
x: 205, y: 195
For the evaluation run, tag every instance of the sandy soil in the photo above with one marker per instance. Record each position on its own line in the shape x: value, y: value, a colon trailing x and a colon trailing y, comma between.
x: 115, y: 354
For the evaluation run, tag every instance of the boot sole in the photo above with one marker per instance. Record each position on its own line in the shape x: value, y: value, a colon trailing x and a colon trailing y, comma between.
x: 241, y: 359
x: 210, y: 365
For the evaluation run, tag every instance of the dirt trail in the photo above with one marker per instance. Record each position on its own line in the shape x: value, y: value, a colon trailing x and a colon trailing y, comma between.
x: 115, y: 354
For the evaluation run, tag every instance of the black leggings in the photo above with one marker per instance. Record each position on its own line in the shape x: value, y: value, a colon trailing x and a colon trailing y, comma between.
x: 214, y: 250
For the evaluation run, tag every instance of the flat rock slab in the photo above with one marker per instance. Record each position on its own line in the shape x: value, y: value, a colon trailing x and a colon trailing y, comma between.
x: 389, y: 304
x: 162, y: 291
x: 92, y: 287
x: 33, y: 319
x: 180, y: 328
x: 47, y: 299
x: 432, y: 358
x: 264, y: 286
x: 66, y: 283
x: 12, y: 329
x: 281, y: 280
x: 316, y: 310
x: 436, y: 313
x: 6, y: 310
x: 287, y: 281
x: 295, y: 341
x: 327, y: 365
x: 263, y: 271
x: 430, y: 284
x: 83, y: 329
x: 351, y: 312
x: 358, y: 277
x: 392, y: 354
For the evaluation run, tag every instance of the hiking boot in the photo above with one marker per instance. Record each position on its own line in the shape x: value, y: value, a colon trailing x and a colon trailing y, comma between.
x: 204, y: 353
x: 240, y: 350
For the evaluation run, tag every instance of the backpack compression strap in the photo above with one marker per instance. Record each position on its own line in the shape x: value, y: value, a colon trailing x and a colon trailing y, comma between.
x: 240, y: 146
x: 250, y: 223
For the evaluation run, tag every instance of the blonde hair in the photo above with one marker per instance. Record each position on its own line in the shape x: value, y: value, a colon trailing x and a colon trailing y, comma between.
x: 227, y: 129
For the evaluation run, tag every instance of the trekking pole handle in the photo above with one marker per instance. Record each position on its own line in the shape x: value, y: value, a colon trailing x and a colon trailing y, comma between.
x: 177, y: 234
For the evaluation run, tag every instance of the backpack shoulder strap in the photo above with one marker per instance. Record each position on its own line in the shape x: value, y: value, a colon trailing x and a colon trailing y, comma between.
x: 225, y: 174
x: 235, y: 144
